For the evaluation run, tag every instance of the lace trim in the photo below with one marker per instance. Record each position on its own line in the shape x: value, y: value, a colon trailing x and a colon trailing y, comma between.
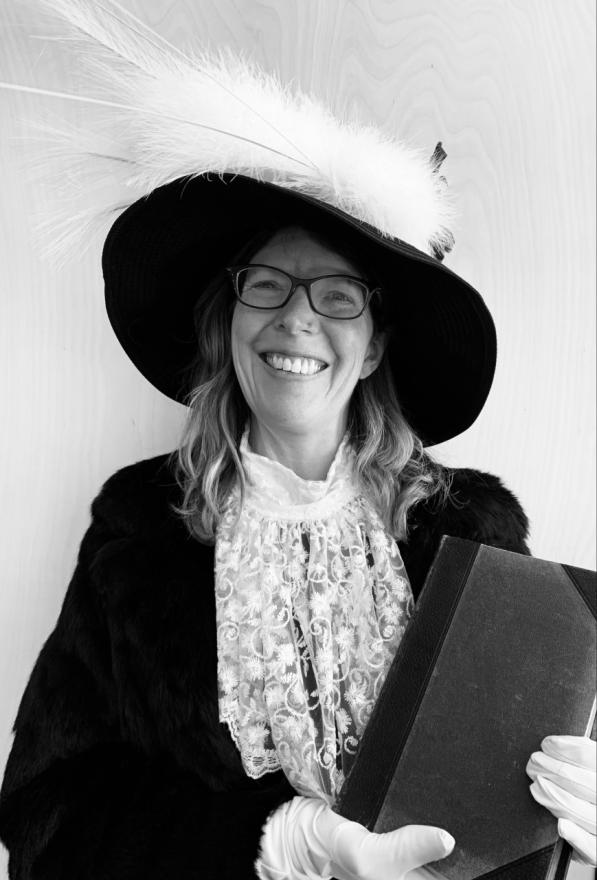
x: 309, y: 612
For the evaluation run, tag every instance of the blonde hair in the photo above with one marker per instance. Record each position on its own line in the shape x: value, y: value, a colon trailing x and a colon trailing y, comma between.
x: 391, y: 462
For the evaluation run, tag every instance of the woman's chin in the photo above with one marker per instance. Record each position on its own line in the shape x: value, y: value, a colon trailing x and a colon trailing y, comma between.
x: 292, y: 415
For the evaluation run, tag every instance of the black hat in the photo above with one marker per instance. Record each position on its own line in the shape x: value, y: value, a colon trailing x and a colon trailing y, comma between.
x: 443, y: 347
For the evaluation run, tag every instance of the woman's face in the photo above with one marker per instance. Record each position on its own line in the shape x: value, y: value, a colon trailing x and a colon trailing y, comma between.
x: 348, y: 350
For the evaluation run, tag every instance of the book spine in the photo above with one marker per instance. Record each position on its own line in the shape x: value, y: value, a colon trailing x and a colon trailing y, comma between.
x: 365, y: 789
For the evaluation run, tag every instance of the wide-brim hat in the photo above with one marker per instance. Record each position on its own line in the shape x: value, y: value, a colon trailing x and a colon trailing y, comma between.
x: 199, y: 152
x: 163, y: 250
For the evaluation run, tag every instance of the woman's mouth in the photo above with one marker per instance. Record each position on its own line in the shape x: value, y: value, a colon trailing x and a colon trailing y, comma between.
x: 306, y: 366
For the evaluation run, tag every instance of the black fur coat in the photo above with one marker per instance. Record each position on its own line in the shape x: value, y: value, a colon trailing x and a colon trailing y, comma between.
x: 119, y: 766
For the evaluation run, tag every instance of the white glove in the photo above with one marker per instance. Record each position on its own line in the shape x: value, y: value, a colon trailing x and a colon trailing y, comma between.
x: 565, y: 782
x: 305, y: 840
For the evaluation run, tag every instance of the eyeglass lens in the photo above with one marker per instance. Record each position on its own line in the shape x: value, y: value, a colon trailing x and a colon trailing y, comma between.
x: 266, y: 288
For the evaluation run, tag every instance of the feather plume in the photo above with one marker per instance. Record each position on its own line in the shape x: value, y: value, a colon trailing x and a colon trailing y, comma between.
x: 169, y: 114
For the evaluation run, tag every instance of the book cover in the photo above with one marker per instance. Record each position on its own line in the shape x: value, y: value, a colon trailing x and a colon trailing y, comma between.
x: 500, y: 653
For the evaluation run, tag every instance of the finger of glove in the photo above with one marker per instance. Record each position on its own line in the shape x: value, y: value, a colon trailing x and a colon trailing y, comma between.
x: 562, y: 804
x: 579, y: 781
x: 339, y: 837
x: 582, y: 842
x: 420, y: 844
x: 355, y: 855
x: 392, y: 854
x: 579, y: 750
x: 330, y: 832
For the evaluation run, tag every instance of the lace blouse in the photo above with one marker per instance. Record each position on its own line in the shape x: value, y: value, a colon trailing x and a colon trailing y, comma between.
x: 312, y: 599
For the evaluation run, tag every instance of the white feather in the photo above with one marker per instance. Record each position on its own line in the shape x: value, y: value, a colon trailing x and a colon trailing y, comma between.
x: 173, y: 115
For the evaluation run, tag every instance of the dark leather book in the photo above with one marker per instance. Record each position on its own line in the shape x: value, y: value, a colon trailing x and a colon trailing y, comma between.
x: 500, y: 653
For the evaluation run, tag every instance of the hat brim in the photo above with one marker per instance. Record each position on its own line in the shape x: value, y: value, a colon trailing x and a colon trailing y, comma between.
x: 443, y: 349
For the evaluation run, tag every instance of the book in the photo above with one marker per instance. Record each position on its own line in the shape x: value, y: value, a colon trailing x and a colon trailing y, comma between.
x: 500, y: 653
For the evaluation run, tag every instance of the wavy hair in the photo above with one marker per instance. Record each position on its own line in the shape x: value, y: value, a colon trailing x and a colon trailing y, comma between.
x: 394, y: 469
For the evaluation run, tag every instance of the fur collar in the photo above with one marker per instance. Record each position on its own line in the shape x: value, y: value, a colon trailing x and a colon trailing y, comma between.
x: 137, y: 501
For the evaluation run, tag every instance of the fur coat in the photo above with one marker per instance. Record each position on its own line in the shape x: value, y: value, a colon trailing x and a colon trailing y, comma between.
x: 119, y: 766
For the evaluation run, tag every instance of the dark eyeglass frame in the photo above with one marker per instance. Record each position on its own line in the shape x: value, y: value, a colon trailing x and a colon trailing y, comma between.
x: 234, y: 272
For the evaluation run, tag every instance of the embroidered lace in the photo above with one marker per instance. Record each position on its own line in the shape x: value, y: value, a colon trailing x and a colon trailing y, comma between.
x: 312, y: 599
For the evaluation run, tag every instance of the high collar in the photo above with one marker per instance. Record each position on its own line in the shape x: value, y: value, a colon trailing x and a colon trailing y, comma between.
x: 277, y: 488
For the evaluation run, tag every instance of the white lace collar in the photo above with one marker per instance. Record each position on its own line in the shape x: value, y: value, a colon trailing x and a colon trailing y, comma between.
x: 275, y: 490
x: 312, y: 599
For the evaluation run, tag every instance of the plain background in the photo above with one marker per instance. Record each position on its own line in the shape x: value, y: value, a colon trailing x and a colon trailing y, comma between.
x: 508, y: 86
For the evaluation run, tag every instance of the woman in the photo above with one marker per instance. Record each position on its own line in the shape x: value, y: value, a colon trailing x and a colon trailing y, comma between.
x: 120, y: 766
x: 236, y: 604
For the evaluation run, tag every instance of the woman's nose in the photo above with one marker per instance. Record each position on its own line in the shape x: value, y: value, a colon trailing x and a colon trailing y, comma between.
x: 297, y: 310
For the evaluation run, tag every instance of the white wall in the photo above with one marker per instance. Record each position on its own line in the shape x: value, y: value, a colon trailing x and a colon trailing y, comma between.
x: 508, y: 86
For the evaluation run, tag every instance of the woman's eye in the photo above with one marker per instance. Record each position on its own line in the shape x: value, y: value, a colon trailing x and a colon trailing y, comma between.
x: 264, y: 284
x: 340, y: 296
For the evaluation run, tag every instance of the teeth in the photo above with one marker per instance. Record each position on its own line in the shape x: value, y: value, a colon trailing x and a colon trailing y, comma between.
x: 305, y: 366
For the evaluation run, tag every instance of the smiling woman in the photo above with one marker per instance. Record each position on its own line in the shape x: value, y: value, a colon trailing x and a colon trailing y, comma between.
x: 301, y: 425
x: 297, y: 419
x: 237, y: 603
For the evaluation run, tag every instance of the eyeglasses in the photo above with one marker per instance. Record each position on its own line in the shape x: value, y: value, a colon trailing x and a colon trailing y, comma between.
x: 334, y: 296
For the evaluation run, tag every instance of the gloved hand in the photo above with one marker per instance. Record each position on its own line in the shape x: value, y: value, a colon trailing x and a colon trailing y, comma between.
x: 565, y: 782
x: 305, y: 840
